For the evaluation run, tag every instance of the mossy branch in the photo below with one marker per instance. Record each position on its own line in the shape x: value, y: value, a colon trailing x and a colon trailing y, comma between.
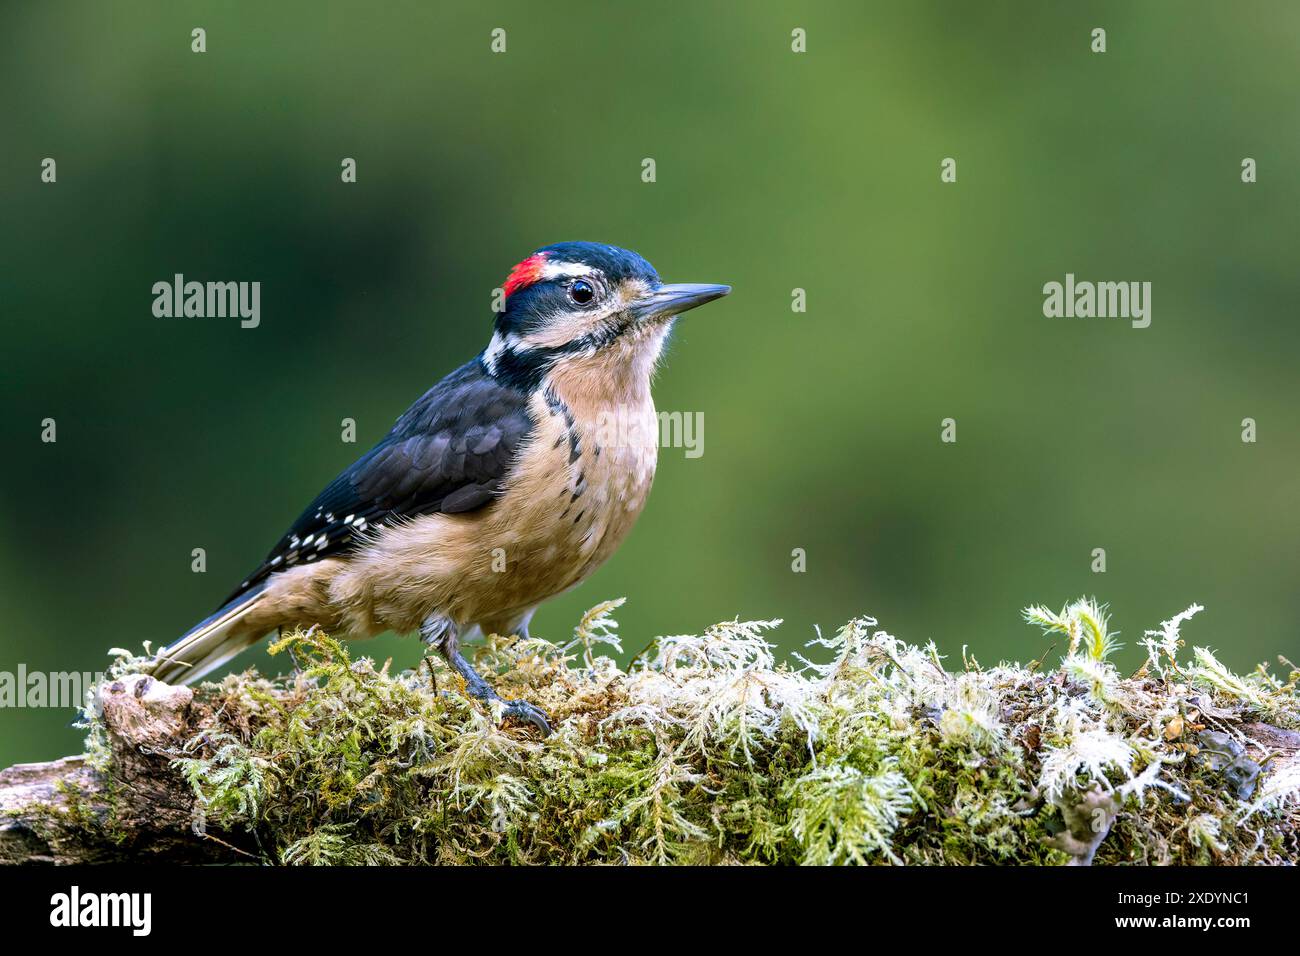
x: 705, y: 750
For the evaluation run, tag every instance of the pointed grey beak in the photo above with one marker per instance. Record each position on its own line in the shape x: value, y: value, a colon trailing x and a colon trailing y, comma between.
x: 677, y: 298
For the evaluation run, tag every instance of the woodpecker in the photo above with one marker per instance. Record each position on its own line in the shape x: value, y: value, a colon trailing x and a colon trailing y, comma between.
x: 497, y: 490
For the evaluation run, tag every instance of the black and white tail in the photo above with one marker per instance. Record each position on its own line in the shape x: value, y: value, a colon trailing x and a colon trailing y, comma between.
x: 209, y: 644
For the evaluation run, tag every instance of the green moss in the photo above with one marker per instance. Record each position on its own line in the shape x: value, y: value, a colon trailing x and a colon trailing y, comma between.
x: 95, y: 815
x: 708, y: 750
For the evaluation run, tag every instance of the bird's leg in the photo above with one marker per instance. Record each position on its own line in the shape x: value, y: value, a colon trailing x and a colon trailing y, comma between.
x: 440, y: 633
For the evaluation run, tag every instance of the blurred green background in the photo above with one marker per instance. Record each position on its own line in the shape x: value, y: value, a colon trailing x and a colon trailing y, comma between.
x: 775, y: 171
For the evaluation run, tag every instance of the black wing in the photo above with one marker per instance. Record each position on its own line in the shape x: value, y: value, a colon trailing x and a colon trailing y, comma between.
x: 449, y: 453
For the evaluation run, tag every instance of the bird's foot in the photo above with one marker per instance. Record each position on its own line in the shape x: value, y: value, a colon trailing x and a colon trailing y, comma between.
x: 476, y: 686
x: 518, y: 709
x: 441, y: 633
x: 523, y: 710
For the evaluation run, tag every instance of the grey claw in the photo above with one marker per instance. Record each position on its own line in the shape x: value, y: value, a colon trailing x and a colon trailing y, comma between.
x: 522, y: 710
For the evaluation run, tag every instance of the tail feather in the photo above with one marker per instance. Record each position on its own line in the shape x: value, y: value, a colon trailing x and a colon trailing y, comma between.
x: 209, y: 644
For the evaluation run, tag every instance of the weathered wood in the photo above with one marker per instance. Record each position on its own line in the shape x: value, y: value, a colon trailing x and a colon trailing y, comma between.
x: 67, y: 811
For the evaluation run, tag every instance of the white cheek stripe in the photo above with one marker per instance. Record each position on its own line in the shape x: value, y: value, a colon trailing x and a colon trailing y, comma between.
x: 498, y: 345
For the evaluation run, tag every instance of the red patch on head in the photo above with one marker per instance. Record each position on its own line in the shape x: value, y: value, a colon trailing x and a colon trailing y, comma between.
x: 525, y: 274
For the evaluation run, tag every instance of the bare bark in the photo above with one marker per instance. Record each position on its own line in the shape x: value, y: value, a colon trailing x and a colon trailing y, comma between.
x: 141, y: 810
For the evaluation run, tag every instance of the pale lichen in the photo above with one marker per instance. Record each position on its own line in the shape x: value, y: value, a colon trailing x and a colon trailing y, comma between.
x: 708, y: 749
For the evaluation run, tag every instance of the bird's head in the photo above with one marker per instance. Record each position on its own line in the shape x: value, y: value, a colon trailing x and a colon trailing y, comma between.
x: 579, y: 300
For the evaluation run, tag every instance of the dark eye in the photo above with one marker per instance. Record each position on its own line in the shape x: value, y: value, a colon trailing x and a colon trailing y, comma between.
x: 581, y: 291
